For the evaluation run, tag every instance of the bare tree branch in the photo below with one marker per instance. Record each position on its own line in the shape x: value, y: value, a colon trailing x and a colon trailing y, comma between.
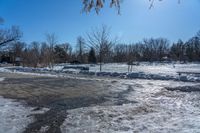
x: 52, y: 41
x: 9, y: 35
x: 98, y: 4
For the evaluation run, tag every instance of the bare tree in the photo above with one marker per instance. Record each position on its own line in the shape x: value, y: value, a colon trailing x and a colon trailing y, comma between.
x: 198, y: 35
x: 35, y: 53
x: 177, y: 50
x: 45, y: 54
x: 68, y: 49
x: 92, y: 56
x: 17, y: 51
x: 100, y: 40
x: 80, y: 48
x: 9, y: 35
x: 52, y: 41
x: 155, y: 49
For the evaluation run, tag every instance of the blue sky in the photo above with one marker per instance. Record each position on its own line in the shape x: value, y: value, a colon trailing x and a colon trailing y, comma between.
x: 64, y: 18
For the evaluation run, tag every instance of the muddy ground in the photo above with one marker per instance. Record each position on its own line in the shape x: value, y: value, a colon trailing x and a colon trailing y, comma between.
x: 59, y: 95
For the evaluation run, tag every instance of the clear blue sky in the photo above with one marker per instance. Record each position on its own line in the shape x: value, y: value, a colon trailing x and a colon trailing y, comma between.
x: 64, y: 18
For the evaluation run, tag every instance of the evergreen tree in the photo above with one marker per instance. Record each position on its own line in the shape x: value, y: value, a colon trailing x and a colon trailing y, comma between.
x: 92, y: 56
x: 60, y: 54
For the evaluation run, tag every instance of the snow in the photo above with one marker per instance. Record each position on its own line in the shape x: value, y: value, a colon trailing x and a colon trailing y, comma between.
x: 128, y: 118
x: 154, y: 71
x: 44, y: 129
x: 156, y: 110
x: 4, y: 70
x: 149, y: 68
x: 28, y: 71
x: 2, y: 79
x: 37, y: 74
x: 14, y: 116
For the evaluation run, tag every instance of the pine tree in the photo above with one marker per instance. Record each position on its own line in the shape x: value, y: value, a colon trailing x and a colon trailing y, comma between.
x: 92, y: 56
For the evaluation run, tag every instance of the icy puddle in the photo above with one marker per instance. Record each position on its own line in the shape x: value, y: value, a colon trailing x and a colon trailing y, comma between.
x: 158, y: 110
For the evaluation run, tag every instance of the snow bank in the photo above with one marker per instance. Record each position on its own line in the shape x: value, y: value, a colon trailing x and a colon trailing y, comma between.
x: 142, y: 75
x: 154, y: 71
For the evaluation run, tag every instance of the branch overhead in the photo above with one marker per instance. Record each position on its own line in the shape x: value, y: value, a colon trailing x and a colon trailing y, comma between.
x: 10, y: 35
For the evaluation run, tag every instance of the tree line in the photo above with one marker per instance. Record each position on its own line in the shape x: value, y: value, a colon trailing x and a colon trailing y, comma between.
x: 159, y: 49
x: 97, y: 47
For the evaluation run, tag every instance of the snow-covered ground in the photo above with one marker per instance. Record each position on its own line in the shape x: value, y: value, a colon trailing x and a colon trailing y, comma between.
x: 157, y: 110
x: 2, y: 79
x: 27, y: 71
x: 151, y: 68
x: 155, y: 71
x: 4, y: 70
x: 153, y: 107
x: 15, y: 116
x: 146, y: 67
